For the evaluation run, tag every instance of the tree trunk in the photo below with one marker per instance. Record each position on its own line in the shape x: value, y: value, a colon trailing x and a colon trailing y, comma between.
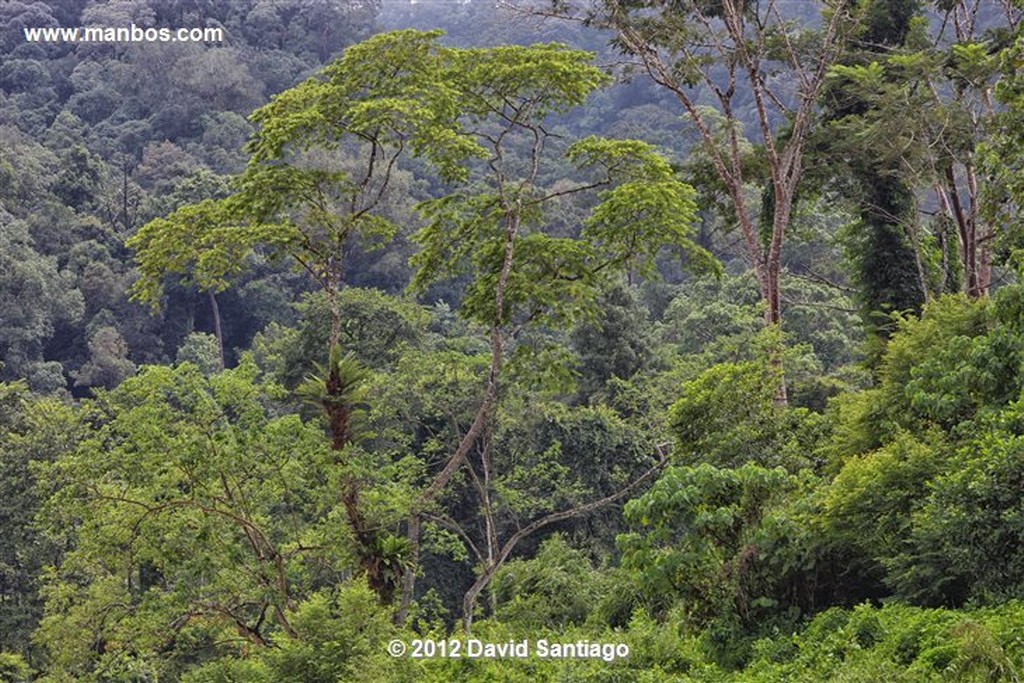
x: 495, y: 561
x: 217, y: 329
x: 470, y: 598
x: 965, y: 232
x: 985, y: 262
x: 409, y: 575
x: 467, y: 441
x: 773, y: 319
x: 784, y: 189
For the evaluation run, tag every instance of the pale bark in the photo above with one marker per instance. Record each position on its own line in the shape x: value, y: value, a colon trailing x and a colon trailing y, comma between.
x: 458, y: 457
x: 494, y: 562
x: 741, y: 49
x: 217, y: 329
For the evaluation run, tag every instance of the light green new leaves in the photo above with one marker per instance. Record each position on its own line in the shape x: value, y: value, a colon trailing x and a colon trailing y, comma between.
x: 205, y: 243
x: 455, y: 224
x: 556, y: 279
x: 636, y: 219
x: 523, y: 84
x: 973, y: 65
x: 867, y: 81
x: 317, y: 204
x: 388, y: 96
x: 393, y: 90
x: 506, y: 95
x: 650, y: 207
x: 551, y: 282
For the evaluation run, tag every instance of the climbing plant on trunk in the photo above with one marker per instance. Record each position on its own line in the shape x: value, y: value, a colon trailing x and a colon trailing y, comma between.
x: 321, y: 165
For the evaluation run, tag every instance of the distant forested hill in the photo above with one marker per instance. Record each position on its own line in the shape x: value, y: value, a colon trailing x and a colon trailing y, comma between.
x: 98, y: 139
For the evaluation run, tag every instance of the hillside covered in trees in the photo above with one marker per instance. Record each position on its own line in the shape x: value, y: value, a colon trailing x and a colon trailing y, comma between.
x: 600, y: 340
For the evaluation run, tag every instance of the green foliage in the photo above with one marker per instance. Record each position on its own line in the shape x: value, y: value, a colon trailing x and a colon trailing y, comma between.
x: 927, y: 459
x: 35, y: 297
x: 174, y: 461
x: 658, y: 208
x: 204, y: 243
x: 728, y: 416
x: 340, y: 635
x: 543, y: 278
x: 13, y: 668
x: 202, y: 351
x: 716, y: 320
x: 554, y: 281
x: 869, y: 503
x: 338, y: 384
x: 1002, y: 155
x: 292, y: 203
x: 426, y: 389
x: 711, y: 316
x: 970, y: 516
x: 363, y: 94
x: 551, y: 78
x: 895, y: 643
x: 184, y: 523
x: 702, y: 528
x: 378, y: 329
x: 33, y: 431
x: 905, y: 113
x: 108, y: 363
x: 555, y: 588
x: 913, y: 392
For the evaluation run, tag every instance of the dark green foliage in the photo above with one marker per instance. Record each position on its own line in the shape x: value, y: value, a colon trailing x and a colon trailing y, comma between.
x: 882, y: 253
x: 375, y: 327
x: 618, y: 344
x: 932, y: 499
x: 719, y: 544
x: 33, y: 432
x: 97, y: 115
x: 970, y: 516
x: 35, y: 298
x: 887, y: 23
x: 878, y: 244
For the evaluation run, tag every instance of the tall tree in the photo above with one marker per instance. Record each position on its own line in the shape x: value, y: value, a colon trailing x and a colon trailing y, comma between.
x: 494, y: 232
x: 720, y: 54
x: 890, y: 272
x: 321, y: 166
x: 966, y: 93
x: 1002, y: 154
x: 192, y: 514
x: 924, y: 107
